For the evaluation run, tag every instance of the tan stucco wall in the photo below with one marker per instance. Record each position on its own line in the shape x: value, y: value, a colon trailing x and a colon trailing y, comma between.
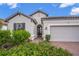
x: 55, y: 22
x: 29, y: 25
x: 38, y: 17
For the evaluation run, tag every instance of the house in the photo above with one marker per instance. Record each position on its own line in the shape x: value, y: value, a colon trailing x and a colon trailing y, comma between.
x: 3, y: 24
x: 39, y: 24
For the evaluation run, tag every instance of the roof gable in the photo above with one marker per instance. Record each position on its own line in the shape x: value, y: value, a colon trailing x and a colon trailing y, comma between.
x: 2, y: 22
x: 18, y: 13
x: 39, y: 11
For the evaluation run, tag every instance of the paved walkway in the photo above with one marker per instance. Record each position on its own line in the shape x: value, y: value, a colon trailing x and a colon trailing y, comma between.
x: 72, y: 47
x: 37, y: 40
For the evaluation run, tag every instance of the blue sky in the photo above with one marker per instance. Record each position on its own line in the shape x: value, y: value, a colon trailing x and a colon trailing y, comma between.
x: 52, y: 9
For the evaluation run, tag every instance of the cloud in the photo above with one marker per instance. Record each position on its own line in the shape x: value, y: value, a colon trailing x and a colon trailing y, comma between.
x: 55, y: 4
x: 75, y: 11
x: 63, y: 5
x: 11, y: 5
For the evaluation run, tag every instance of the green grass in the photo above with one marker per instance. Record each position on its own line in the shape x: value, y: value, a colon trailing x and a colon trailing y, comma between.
x: 32, y: 49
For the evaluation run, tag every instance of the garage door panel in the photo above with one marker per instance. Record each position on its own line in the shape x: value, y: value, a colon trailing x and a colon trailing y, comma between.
x: 65, y: 33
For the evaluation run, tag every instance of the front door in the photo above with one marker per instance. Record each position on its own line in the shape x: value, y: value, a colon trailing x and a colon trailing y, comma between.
x: 39, y: 31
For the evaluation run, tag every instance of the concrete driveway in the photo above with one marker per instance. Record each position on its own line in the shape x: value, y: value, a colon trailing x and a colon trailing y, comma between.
x: 72, y: 47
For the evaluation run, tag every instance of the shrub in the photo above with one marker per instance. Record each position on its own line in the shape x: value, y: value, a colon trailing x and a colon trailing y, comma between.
x: 4, y: 36
x: 47, y: 37
x: 32, y: 49
x: 20, y: 36
x: 27, y: 49
x: 14, y: 37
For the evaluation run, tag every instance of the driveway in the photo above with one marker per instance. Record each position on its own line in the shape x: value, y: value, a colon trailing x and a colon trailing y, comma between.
x: 72, y: 47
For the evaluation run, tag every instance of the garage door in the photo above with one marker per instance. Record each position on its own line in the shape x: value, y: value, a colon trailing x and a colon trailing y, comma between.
x: 65, y: 33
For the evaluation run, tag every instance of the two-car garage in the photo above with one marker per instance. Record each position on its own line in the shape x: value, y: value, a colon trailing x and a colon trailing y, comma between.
x: 64, y: 33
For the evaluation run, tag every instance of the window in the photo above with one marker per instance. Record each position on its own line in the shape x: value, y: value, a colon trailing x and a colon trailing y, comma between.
x: 18, y: 26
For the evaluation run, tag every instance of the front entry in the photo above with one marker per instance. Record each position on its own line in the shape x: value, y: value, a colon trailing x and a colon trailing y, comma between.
x: 39, y: 31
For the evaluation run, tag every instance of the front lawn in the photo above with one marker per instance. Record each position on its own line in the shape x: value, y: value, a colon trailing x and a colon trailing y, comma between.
x: 33, y: 49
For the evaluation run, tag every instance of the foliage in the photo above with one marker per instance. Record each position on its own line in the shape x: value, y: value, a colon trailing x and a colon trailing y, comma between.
x: 32, y: 49
x: 4, y: 36
x: 47, y: 37
x: 14, y: 37
x: 27, y: 48
x: 20, y: 36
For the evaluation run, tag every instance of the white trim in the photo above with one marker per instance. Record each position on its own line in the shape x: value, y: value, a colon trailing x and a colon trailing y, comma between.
x: 62, y: 24
x: 64, y: 40
x: 55, y: 24
x: 58, y: 25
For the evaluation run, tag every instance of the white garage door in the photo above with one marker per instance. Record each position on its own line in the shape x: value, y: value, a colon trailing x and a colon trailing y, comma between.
x: 65, y: 33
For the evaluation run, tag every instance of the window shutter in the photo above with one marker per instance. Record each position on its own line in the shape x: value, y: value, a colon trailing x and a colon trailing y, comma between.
x: 23, y: 25
x: 14, y: 26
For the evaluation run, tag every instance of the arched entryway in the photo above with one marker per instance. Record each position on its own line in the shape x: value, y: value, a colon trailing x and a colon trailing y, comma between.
x: 39, y: 30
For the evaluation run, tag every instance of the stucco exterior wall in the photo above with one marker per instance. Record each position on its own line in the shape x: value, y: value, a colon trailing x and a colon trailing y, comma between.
x: 29, y: 25
x: 4, y: 27
x: 38, y: 17
x: 55, y: 22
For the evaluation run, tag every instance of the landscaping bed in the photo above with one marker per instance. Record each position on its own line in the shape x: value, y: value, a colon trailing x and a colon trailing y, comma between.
x: 33, y: 49
x: 19, y: 46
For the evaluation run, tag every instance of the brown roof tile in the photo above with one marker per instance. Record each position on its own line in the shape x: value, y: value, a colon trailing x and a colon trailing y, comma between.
x: 19, y: 13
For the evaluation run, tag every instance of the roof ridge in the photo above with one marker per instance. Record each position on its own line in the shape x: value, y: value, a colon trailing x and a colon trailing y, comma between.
x: 19, y: 13
x: 39, y: 11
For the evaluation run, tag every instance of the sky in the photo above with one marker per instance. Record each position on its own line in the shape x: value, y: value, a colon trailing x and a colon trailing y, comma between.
x: 52, y: 9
